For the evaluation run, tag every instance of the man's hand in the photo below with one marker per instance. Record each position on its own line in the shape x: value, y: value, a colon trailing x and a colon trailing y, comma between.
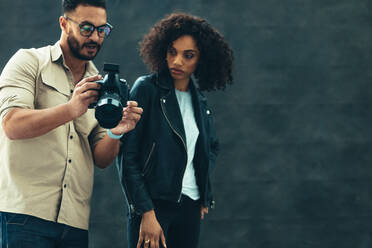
x: 150, y: 231
x: 29, y: 123
x: 131, y: 115
x: 85, y: 93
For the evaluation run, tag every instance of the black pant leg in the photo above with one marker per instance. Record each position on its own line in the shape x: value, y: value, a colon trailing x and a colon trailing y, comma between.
x: 184, y: 231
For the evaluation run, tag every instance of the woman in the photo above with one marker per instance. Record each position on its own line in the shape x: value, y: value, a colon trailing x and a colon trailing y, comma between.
x: 166, y: 161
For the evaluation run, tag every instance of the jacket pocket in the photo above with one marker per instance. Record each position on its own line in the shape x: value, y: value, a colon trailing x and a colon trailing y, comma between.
x: 147, y: 166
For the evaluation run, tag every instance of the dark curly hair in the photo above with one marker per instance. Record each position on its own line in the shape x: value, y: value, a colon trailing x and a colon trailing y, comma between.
x: 214, y: 69
x: 71, y: 5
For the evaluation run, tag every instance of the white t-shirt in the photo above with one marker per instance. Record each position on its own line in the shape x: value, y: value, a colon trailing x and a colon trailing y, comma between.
x: 189, y: 186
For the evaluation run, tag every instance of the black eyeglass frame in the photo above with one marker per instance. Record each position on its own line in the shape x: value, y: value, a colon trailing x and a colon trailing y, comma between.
x: 92, y: 29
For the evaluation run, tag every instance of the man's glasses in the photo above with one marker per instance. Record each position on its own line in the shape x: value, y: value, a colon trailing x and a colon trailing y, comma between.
x: 87, y: 29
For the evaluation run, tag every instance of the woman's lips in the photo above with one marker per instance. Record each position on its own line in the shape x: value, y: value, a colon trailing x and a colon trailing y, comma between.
x: 176, y: 71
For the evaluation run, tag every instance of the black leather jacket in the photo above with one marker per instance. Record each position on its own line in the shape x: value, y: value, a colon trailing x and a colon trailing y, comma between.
x: 153, y: 157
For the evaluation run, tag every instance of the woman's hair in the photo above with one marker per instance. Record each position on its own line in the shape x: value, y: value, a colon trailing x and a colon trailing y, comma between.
x: 214, y: 69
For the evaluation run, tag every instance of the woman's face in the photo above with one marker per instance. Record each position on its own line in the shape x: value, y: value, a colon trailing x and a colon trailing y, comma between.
x: 182, y: 58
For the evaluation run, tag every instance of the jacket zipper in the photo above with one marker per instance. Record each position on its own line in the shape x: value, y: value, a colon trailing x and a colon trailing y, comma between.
x: 145, y: 169
x: 131, y: 206
x: 183, y: 142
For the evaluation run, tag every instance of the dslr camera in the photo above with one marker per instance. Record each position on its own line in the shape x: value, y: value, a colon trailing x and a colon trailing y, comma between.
x: 112, y: 97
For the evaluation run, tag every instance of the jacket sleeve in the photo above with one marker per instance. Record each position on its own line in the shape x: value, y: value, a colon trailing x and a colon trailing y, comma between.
x: 214, y: 143
x: 129, y: 164
x: 213, y: 152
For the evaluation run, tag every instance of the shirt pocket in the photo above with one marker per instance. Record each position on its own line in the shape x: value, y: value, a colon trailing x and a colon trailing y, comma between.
x: 52, y: 90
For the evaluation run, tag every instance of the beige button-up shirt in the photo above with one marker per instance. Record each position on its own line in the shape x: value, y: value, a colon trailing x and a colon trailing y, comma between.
x: 50, y: 176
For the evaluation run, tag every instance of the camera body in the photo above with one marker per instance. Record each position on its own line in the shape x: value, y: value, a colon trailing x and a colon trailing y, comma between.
x: 112, y: 97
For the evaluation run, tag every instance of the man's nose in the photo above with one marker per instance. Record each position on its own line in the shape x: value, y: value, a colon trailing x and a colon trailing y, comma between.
x: 94, y: 36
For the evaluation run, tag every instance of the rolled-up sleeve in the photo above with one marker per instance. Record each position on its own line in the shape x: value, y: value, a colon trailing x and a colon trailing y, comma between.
x: 17, y: 82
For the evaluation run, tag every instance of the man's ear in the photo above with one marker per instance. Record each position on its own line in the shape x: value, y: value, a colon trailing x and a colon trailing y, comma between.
x: 63, y: 24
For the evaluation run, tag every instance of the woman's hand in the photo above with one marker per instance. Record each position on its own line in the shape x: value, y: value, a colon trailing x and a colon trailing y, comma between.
x: 150, y: 231
x: 203, y: 211
x: 131, y: 115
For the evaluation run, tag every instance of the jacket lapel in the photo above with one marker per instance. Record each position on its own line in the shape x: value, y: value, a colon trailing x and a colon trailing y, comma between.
x: 170, y: 107
x: 199, y: 104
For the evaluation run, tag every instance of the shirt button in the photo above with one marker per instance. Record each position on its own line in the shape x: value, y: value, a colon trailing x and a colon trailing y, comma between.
x: 71, y: 91
x: 71, y: 137
x: 70, y: 161
x: 64, y: 186
x: 164, y: 101
x: 208, y: 112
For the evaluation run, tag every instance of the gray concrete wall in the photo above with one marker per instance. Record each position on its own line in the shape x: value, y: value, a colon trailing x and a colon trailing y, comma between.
x: 295, y: 164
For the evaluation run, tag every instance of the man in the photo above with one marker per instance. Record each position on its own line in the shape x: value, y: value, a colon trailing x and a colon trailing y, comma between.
x: 49, y: 139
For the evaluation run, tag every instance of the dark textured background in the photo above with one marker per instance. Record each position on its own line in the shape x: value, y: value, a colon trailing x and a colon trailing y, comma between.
x: 295, y: 163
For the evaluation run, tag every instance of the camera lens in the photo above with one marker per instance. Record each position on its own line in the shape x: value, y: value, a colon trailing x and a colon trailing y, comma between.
x: 109, y: 110
x: 113, y: 95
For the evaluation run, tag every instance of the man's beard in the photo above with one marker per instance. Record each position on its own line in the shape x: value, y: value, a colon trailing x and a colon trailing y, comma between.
x: 76, y: 49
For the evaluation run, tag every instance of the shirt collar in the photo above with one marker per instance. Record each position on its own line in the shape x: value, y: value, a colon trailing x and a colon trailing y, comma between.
x: 56, y: 52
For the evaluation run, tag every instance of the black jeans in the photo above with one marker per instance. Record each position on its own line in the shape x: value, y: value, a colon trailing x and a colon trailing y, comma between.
x: 25, y: 231
x: 180, y: 223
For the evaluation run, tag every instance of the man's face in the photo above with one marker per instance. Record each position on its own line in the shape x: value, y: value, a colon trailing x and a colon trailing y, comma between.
x: 81, y: 47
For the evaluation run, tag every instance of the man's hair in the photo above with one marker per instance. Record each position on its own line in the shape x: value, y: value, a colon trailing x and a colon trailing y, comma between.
x: 70, y: 5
